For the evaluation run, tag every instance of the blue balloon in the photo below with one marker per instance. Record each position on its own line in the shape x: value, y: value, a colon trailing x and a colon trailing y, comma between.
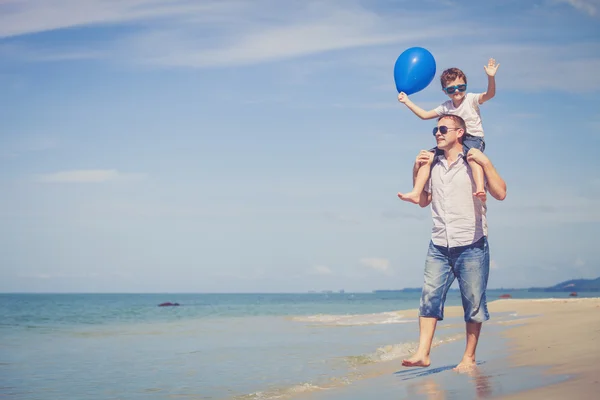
x: 414, y: 70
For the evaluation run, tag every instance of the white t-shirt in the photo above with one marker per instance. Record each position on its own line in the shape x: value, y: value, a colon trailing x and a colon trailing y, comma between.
x: 467, y: 110
x: 459, y: 218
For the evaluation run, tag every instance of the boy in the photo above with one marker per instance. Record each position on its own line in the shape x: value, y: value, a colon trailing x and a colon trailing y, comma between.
x: 466, y: 106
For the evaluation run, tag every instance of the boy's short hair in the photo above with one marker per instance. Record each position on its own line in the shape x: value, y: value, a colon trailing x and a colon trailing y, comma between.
x: 451, y: 74
x: 458, y: 120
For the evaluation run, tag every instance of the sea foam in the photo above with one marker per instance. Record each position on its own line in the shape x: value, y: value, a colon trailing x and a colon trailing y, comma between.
x: 390, y: 317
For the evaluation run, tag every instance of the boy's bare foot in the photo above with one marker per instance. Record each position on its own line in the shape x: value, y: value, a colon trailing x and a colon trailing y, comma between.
x: 417, y: 361
x: 412, y: 197
x: 465, y: 365
x: 481, y: 195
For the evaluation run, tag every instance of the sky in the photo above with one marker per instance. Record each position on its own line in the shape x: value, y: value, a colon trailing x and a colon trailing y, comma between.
x: 258, y: 146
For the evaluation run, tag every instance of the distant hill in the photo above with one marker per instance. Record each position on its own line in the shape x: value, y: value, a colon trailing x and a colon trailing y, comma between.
x: 574, y: 285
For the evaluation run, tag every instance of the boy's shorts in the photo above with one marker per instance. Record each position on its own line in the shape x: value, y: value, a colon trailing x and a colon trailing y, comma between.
x: 469, y: 142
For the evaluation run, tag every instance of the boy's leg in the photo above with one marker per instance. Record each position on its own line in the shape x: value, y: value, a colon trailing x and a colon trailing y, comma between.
x: 420, y: 182
x: 477, y: 171
x: 472, y: 268
x: 438, y: 279
x: 470, y: 142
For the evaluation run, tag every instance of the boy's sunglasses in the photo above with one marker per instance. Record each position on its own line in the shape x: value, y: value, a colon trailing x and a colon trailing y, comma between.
x: 452, y: 89
x: 443, y: 130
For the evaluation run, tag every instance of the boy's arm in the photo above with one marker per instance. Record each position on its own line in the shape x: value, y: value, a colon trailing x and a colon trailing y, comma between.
x: 490, y: 70
x: 419, y: 112
x: 495, y: 183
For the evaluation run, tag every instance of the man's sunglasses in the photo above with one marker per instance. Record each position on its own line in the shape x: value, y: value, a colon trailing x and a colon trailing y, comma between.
x: 452, y: 89
x: 443, y: 130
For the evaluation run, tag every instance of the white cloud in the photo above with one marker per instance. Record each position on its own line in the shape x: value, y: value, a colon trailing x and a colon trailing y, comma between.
x: 21, y: 17
x: 252, y: 275
x: 589, y: 7
x: 64, y: 55
x: 87, y: 176
x: 545, y: 207
x: 67, y: 275
x: 377, y: 264
x: 520, y: 63
x: 332, y: 29
x: 343, y: 218
x: 579, y: 262
x: 217, y: 33
x: 13, y: 145
x: 214, y: 33
x: 320, y: 270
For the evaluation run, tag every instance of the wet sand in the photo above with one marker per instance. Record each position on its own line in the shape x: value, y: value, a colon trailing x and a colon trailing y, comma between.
x: 546, y: 349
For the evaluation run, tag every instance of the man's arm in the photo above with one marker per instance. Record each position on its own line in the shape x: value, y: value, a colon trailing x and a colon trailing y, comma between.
x: 495, y: 183
x: 490, y: 70
x: 419, y: 112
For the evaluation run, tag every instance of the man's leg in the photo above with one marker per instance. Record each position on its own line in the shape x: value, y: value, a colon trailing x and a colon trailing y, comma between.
x: 426, y: 330
x: 468, y: 361
x: 472, y: 269
x: 438, y: 279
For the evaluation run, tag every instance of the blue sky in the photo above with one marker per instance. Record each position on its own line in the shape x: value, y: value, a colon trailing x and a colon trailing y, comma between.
x: 258, y: 146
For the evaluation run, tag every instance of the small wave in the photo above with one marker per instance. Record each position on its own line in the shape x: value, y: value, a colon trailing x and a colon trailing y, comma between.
x: 394, y: 351
x: 564, y: 300
x: 390, y: 317
x: 382, y: 354
x: 281, y: 393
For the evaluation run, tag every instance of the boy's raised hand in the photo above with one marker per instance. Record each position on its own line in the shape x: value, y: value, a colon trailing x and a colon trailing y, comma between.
x: 402, y: 97
x: 491, y: 67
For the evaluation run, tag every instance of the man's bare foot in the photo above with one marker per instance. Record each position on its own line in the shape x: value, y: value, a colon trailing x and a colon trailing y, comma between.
x: 417, y: 361
x: 481, y: 195
x: 412, y: 197
x: 465, y: 365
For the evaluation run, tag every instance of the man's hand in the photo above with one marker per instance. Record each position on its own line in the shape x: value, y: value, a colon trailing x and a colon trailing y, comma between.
x: 491, y: 67
x: 403, y: 98
x: 477, y: 156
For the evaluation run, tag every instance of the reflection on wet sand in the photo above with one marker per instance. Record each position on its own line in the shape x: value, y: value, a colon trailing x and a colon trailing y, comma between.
x: 482, y: 382
x: 431, y: 389
x: 428, y: 389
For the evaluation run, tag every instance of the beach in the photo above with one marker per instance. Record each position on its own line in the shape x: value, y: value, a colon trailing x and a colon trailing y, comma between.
x: 548, y: 349
x: 562, y: 334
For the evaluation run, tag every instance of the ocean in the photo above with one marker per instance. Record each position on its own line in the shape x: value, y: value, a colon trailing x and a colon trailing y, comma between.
x: 212, y: 346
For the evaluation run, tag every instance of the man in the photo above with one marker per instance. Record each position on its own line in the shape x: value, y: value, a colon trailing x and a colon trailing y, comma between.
x: 458, y: 247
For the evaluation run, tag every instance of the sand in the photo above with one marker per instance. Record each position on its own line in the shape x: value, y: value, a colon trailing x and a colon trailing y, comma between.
x: 563, y: 334
x: 550, y: 341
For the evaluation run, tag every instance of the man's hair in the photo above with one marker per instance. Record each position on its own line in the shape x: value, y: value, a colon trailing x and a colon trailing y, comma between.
x: 457, y: 120
x: 451, y: 74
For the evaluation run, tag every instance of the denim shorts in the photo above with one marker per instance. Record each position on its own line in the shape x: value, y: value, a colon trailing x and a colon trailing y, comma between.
x: 471, y: 265
x: 469, y: 142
